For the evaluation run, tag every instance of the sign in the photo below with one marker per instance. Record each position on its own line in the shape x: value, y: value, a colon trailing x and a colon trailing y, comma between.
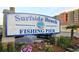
x: 26, y: 23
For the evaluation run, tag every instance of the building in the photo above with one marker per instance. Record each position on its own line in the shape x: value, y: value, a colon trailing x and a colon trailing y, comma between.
x: 62, y: 17
x: 76, y: 17
x: 63, y: 20
x: 68, y: 18
x: 73, y: 18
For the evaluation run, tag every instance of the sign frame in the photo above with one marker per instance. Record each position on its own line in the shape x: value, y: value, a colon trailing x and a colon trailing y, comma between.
x: 29, y: 34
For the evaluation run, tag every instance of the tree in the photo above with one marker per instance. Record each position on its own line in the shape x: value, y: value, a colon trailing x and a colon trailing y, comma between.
x: 73, y: 27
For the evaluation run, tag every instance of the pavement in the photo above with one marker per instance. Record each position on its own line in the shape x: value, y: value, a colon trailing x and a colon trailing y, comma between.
x: 68, y: 34
x: 27, y: 39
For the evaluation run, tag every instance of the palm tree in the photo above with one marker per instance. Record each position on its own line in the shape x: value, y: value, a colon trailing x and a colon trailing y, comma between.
x: 73, y: 27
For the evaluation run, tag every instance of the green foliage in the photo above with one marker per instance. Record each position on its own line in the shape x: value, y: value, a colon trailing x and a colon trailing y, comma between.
x: 64, y: 41
x: 0, y: 47
x: 11, y: 47
x: 72, y: 27
x: 18, y: 46
x: 48, y: 48
x: 4, y: 47
x: 50, y: 40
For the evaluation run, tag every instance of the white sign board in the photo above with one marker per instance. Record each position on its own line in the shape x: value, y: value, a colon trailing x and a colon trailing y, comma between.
x: 25, y: 24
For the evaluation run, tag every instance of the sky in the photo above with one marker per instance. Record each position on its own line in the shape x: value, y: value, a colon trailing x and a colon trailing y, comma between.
x: 49, y: 11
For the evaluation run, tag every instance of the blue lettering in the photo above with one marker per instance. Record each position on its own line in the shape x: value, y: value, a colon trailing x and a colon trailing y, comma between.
x: 49, y: 20
x: 22, y: 18
x: 31, y: 18
x: 34, y: 18
x: 21, y: 31
x: 47, y: 30
x: 17, y: 18
x: 24, y: 31
x: 40, y: 18
x: 31, y: 31
x: 50, y: 30
x: 28, y: 31
x: 53, y: 30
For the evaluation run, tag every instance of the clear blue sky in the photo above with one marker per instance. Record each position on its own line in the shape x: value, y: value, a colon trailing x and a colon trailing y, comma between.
x: 50, y: 11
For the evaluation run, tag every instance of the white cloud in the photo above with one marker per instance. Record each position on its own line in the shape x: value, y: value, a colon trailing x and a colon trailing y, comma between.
x: 39, y: 3
x: 71, y: 9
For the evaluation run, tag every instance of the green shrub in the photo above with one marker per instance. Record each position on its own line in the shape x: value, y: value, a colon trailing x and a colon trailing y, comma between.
x: 11, y: 47
x: 64, y: 41
x: 0, y: 47
x: 18, y: 46
x: 51, y: 40
x: 48, y: 48
x: 4, y: 47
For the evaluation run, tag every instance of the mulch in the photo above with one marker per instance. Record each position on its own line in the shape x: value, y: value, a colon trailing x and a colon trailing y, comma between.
x: 58, y: 48
x: 75, y: 41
